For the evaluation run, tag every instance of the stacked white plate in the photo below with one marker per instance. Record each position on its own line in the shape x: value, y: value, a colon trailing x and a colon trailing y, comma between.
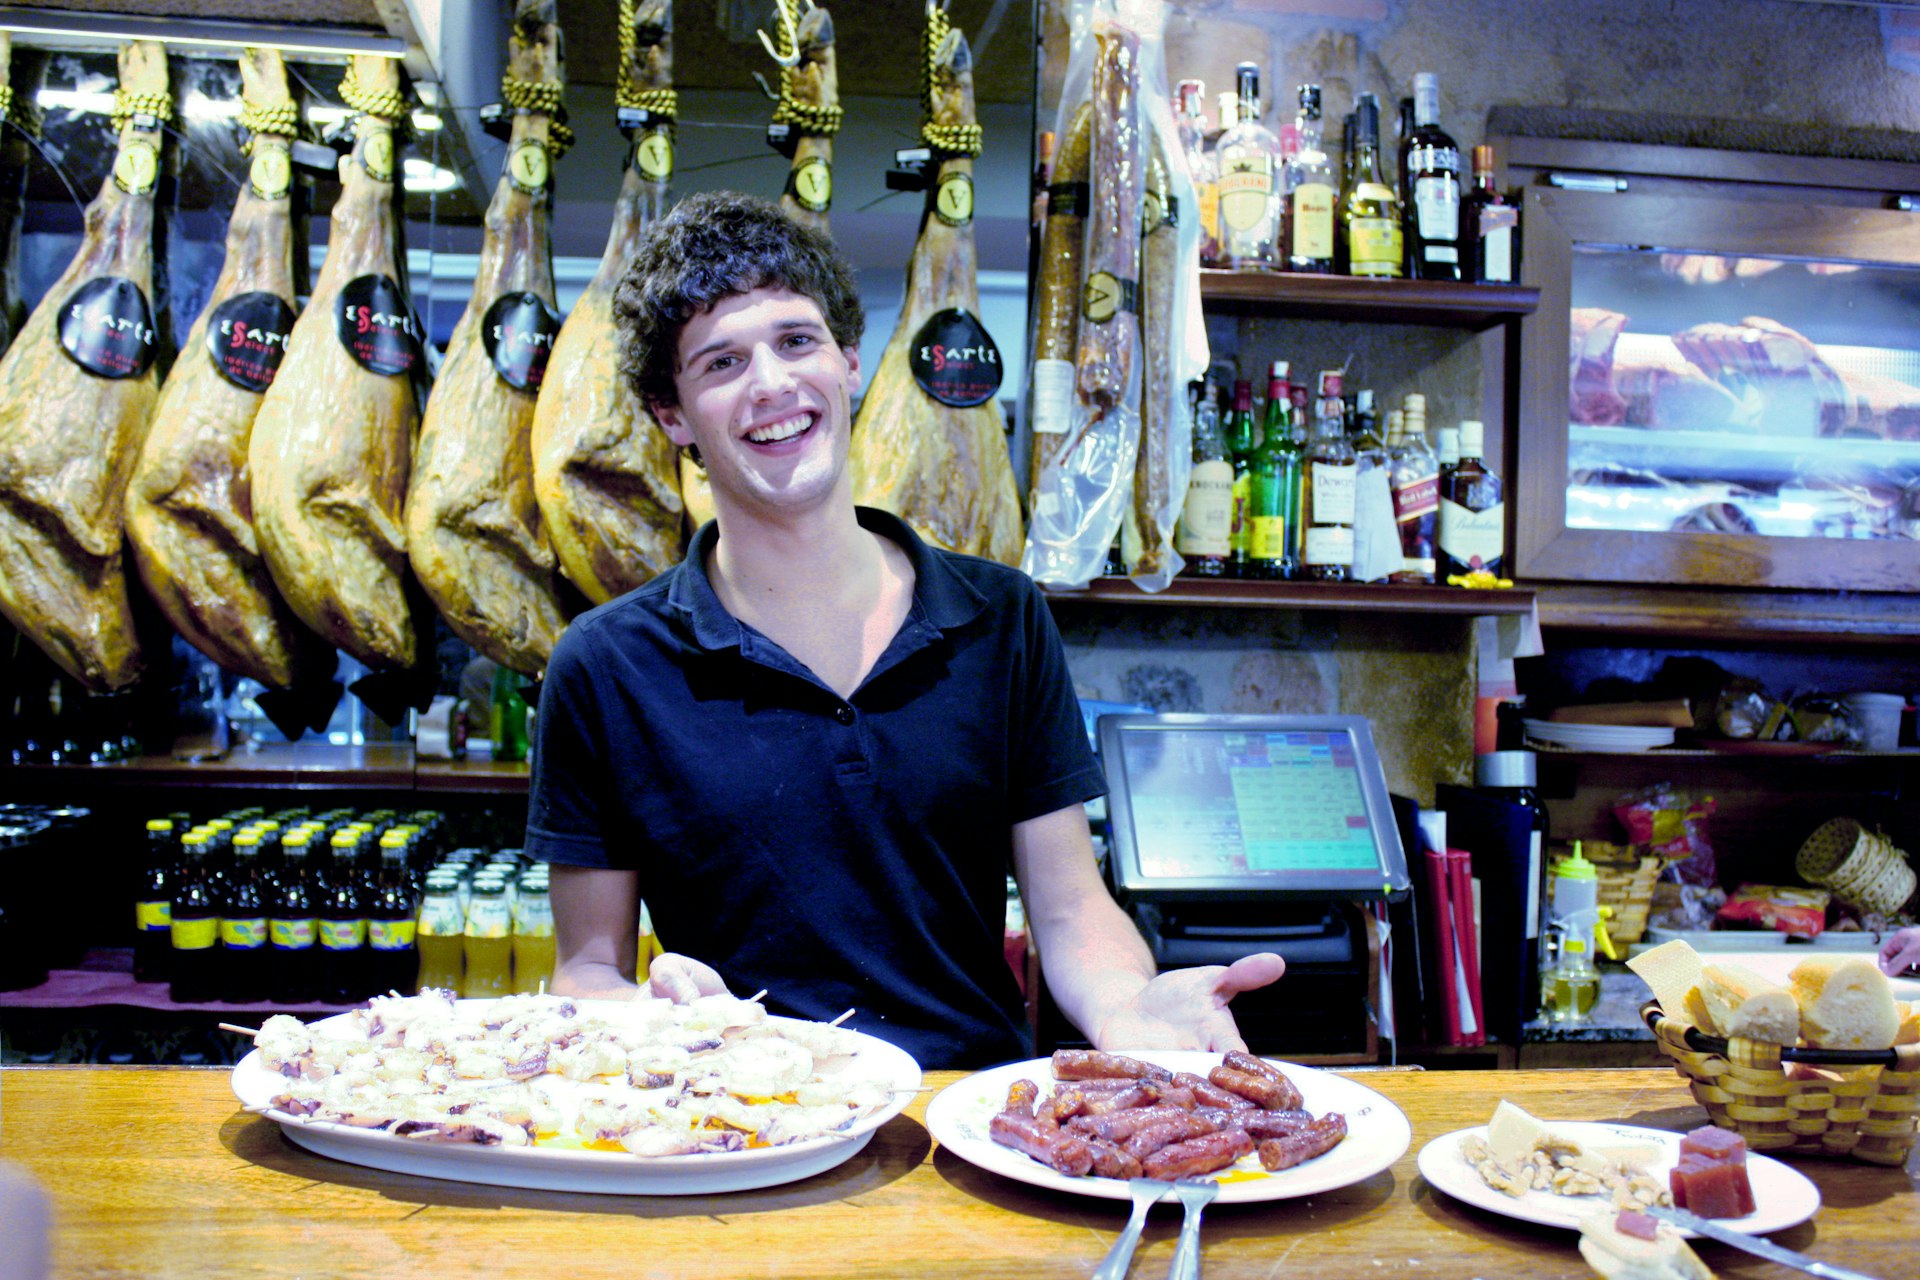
x: 1598, y: 737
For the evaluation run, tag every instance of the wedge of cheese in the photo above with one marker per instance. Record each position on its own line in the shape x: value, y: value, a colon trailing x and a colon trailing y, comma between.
x: 1513, y: 1135
x: 1671, y: 970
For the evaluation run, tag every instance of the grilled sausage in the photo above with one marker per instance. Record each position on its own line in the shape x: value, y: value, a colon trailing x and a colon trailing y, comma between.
x: 1195, y: 1157
x: 1317, y: 1138
x: 1066, y: 1153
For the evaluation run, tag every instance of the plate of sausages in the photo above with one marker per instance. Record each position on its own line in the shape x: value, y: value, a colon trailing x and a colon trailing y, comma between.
x: 1084, y: 1121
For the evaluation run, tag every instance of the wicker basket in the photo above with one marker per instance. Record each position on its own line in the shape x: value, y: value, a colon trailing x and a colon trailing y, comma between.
x: 1629, y: 891
x: 1861, y: 867
x: 1869, y: 1115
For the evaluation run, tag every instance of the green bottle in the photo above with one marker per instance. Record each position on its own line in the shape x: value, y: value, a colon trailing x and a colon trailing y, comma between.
x: 1274, y: 492
x: 1240, y: 446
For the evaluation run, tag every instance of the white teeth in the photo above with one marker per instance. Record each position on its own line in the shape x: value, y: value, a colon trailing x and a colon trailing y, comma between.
x: 781, y: 430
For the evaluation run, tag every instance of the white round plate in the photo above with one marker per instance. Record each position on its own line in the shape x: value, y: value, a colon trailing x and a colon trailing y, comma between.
x: 607, y: 1172
x: 1782, y: 1195
x: 1377, y: 1131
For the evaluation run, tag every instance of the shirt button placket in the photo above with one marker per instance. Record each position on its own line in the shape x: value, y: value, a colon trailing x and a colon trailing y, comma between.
x: 844, y: 713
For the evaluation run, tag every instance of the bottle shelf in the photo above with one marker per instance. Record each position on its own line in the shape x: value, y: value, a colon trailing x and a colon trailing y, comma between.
x: 377, y: 766
x: 105, y: 977
x: 1357, y: 597
x: 1311, y: 297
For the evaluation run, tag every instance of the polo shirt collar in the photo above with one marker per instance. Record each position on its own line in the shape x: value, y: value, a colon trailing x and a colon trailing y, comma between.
x: 942, y: 598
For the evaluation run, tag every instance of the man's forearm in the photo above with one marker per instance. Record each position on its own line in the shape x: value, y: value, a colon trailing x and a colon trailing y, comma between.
x: 1095, y: 962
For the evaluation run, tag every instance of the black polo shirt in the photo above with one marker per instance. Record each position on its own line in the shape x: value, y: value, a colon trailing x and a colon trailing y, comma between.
x: 837, y: 853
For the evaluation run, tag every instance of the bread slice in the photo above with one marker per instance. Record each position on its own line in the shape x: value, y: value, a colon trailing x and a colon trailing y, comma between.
x: 1909, y: 1030
x: 1844, y: 1003
x: 1618, y: 1256
x: 1733, y: 1000
x: 1670, y: 970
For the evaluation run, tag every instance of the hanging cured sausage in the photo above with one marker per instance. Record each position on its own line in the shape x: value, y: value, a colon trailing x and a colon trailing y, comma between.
x: 474, y: 531
x: 190, y: 506
x: 930, y: 442
x: 76, y: 390
x: 333, y: 442
x: 605, y: 474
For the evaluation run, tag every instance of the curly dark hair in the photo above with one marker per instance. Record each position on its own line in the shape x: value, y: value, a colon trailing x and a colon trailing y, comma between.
x: 713, y: 245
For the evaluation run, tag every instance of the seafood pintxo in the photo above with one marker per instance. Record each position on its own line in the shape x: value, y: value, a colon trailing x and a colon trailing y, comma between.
x: 647, y: 1077
x: 1118, y: 1117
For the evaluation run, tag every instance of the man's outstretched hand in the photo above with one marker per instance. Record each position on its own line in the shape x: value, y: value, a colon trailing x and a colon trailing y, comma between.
x: 1187, y: 1008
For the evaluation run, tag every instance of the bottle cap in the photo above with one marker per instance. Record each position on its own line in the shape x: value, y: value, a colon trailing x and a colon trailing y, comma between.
x: 1279, y: 369
x: 1363, y: 400
x: 1575, y: 866
x: 1506, y: 769
x: 159, y: 824
x: 1414, y: 402
x: 1483, y: 158
x: 1449, y: 445
x: 1473, y: 437
x: 1330, y: 382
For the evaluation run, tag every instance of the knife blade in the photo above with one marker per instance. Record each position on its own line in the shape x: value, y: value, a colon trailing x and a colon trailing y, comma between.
x: 1758, y: 1246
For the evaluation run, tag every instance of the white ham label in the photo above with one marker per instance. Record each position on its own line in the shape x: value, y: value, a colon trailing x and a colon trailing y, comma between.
x: 377, y: 327
x: 954, y: 360
x: 106, y: 327
x: 518, y: 332
x: 247, y: 338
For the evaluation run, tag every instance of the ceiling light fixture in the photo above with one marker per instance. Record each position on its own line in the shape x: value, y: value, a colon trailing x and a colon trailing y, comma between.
x: 67, y: 29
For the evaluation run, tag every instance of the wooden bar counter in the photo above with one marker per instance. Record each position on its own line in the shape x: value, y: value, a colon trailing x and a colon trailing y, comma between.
x: 156, y: 1172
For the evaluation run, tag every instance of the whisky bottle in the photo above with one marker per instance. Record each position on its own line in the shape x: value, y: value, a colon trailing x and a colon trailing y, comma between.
x: 1327, y: 502
x: 1376, y: 536
x: 1491, y: 224
x: 1433, y: 186
x: 1472, y: 524
x: 1369, y: 214
x: 1204, y: 536
x: 1415, y: 473
x: 1250, y: 183
x: 1310, y: 192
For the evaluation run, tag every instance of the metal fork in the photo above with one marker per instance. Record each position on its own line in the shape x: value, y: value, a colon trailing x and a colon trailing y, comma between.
x: 1196, y: 1196
x: 1146, y: 1193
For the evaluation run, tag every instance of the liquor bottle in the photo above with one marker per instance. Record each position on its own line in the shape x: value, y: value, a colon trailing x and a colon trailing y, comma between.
x: 488, y: 942
x: 1416, y: 493
x: 243, y: 926
x: 1402, y: 143
x: 533, y: 948
x: 194, y: 926
x: 1376, y: 537
x: 392, y: 957
x: 293, y: 929
x: 1491, y: 224
x: 1346, y: 154
x: 1473, y: 513
x: 1310, y: 193
x: 153, y: 904
x: 1274, y: 488
x: 1204, y: 536
x: 1369, y: 214
x: 1250, y: 183
x: 1433, y: 185
x: 440, y: 938
x: 1190, y: 118
x: 1327, y: 502
x: 1240, y: 441
x: 342, y: 913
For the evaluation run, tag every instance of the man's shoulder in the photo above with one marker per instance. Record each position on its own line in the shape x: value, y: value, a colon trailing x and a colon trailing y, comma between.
x: 645, y: 610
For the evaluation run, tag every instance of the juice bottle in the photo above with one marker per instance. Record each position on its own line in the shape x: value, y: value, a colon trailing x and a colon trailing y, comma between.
x: 488, y: 942
x: 153, y: 905
x: 293, y: 929
x: 194, y: 925
x: 533, y: 948
x: 440, y: 937
x: 343, y: 927
x: 243, y: 926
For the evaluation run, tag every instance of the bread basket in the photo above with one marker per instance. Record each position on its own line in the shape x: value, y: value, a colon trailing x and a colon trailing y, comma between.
x: 1867, y: 1114
x: 1861, y: 867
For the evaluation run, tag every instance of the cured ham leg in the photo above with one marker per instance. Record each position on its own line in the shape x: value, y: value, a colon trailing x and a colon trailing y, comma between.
x: 190, y: 507
x: 474, y: 531
x: 809, y: 108
x: 21, y: 72
x: 332, y: 445
x: 604, y: 473
x: 942, y: 469
x: 76, y: 391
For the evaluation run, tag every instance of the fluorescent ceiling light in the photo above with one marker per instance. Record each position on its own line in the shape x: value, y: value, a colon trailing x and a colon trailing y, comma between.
x: 66, y: 28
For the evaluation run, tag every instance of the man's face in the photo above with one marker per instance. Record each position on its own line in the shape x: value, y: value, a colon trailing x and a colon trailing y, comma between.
x: 765, y: 392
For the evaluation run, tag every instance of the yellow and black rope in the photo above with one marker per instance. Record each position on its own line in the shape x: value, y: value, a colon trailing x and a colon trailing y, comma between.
x: 543, y: 97
x: 389, y: 104
x: 281, y: 119
x: 628, y: 94
x: 803, y: 117
x: 953, y: 139
x: 128, y: 104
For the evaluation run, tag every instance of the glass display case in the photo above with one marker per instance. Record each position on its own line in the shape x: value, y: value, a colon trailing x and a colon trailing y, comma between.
x: 1720, y: 392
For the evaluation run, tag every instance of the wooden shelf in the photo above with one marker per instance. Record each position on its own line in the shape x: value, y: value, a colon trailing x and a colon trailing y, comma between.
x: 1454, y: 306
x: 1235, y: 593
x: 379, y: 766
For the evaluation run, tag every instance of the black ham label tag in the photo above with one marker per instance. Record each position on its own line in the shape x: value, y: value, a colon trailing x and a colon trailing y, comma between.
x: 518, y: 331
x: 377, y: 327
x: 247, y: 337
x: 954, y: 360
x: 106, y: 326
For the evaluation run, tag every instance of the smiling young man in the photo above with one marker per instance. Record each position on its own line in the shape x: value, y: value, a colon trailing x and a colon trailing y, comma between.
x: 817, y: 744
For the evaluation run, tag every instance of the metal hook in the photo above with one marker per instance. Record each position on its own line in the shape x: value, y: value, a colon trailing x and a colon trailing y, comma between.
x: 792, y: 32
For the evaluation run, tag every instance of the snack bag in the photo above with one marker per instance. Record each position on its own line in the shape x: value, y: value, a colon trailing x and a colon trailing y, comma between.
x: 1672, y: 825
x: 1798, y: 912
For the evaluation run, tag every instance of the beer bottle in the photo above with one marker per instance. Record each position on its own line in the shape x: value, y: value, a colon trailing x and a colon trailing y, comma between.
x: 509, y: 716
x: 488, y: 945
x: 441, y: 936
x: 194, y: 925
x: 243, y: 926
x: 293, y: 928
x: 533, y: 934
x: 342, y: 914
x: 390, y: 921
x: 153, y: 905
